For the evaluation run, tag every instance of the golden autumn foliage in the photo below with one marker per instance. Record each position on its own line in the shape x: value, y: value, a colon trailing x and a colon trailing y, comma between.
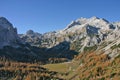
x: 11, y: 70
x: 98, y: 67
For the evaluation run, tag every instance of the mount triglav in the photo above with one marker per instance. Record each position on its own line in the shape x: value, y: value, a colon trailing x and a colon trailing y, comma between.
x: 81, y: 35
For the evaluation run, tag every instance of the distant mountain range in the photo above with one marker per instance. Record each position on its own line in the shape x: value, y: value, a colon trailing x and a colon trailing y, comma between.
x: 81, y: 35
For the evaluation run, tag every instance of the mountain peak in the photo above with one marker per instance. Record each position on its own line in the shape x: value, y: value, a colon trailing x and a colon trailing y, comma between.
x: 93, y: 21
x: 3, y: 18
x: 94, y: 17
x: 73, y: 23
x: 30, y: 32
x: 8, y: 34
x: 5, y: 23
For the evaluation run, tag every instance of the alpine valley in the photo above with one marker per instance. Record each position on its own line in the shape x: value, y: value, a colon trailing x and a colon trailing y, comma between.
x: 87, y: 49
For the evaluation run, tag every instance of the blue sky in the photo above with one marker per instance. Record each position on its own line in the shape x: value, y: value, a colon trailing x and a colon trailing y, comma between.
x: 49, y: 15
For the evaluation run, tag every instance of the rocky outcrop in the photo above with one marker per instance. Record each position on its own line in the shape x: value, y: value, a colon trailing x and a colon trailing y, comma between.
x: 8, y: 34
x: 32, y: 37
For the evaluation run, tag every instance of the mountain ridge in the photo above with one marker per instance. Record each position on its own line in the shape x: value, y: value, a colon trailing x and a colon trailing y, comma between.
x: 81, y: 33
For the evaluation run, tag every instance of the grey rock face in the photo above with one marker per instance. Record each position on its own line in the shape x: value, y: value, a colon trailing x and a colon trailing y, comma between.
x: 8, y: 34
x: 31, y: 37
x: 30, y: 32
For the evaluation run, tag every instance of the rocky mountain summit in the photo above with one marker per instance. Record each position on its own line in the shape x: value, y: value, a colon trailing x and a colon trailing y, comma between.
x: 31, y: 37
x: 8, y: 34
x: 81, y: 34
x: 78, y: 29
